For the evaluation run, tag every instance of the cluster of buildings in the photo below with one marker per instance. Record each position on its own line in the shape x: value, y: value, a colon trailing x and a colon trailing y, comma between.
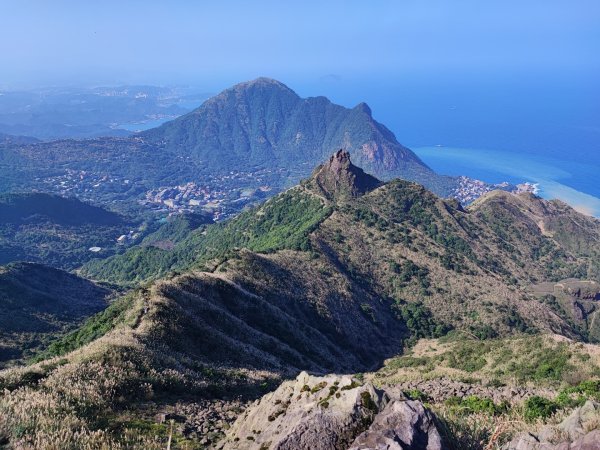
x: 82, y: 183
x: 220, y: 199
x: 469, y: 189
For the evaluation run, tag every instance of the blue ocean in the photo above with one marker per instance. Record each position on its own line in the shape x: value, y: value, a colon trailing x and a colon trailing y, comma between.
x: 542, y: 128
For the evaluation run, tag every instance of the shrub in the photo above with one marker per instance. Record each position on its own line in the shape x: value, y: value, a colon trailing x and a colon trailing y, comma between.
x: 538, y: 407
x: 415, y: 394
x: 474, y: 404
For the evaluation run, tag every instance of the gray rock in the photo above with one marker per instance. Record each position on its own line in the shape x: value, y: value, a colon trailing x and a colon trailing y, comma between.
x: 573, y: 433
x: 402, y: 425
x: 329, y: 413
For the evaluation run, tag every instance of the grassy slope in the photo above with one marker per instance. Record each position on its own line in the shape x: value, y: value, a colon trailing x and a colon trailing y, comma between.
x: 282, y: 222
x: 366, y: 260
x: 37, y: 303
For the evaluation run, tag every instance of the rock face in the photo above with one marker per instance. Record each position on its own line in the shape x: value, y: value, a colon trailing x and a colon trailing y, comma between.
x: 441, y: 389
x: 339, y: 179
x: 402, y: 425
x: 576, y: 432
x: 333, y: 412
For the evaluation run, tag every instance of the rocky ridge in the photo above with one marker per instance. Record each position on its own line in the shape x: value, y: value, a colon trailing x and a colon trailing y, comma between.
x: 339, y: 179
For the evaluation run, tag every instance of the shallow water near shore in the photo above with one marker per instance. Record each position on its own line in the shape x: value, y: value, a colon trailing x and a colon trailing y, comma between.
x: 570, y: 181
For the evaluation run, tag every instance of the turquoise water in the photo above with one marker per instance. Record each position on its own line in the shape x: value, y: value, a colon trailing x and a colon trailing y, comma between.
x: 571, y: 181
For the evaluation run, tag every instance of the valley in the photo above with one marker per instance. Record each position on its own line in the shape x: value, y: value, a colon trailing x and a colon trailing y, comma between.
x: 405, y: 292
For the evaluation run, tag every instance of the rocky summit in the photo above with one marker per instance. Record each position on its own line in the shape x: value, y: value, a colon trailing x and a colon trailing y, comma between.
x: 339, y: 179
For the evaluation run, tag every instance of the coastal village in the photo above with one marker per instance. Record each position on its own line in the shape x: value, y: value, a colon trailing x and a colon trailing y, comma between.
x: 470, y: 189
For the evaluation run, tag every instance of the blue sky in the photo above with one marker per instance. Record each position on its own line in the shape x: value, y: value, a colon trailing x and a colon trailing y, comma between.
x: 218, y: 43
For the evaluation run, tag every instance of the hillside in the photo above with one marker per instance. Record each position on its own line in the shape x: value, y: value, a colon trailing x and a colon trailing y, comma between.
x: 263, y: 122
x: 38, y: 303
x: 403, y: 244
x: 254, y: 138
x: 54, y: 230
x: 334, y: 275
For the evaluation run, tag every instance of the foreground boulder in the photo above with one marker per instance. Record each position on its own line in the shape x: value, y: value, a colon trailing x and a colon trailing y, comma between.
x: 576, y: 432
x: 334, y: 412
x: 401, y: 425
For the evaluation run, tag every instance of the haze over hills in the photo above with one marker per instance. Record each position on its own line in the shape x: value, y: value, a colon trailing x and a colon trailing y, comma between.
x: 58, y: 113
x: 253, y: 138
x: 335, y: 274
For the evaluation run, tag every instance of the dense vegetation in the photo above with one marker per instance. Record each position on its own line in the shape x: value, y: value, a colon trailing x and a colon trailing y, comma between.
x: 284, y: 222
x: 56, y: 231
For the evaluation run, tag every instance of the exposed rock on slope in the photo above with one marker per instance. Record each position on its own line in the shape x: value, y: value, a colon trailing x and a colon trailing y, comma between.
x: 339, y: 179
x: 323, y: 413
x: 579, y: 431
x: 263, y: 122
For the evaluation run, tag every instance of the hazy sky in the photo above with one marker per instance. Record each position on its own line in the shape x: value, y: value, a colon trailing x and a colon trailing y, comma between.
x: 220, y: 42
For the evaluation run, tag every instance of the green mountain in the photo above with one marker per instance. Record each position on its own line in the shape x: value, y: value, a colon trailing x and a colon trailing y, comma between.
x: 54, y: 230
x: 37, y: 303
x: 260, y: 130
x: 475, y: 269
x: 337, y: 274
x: 264, y: 123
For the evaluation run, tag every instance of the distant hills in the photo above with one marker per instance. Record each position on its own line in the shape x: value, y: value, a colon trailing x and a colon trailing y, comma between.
x: 394, y: 241
x: 261, y: 130
x: 264, y: 123
x: 59, y: 113
x: 37, y: 303
x: 54, y: 230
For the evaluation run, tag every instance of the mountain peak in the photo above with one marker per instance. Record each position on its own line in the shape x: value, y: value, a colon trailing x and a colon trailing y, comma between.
x: 338, y: 178
x: 261, y: 82
x: 363, y: 107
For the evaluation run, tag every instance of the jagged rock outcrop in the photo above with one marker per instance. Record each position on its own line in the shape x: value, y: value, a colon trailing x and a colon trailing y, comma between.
x: 333, y: 412
x: 402, y: 425
x: 339, y: 179
x: 577, y: 432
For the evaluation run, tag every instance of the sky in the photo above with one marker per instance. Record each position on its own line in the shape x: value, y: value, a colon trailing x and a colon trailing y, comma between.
x: 215, y: 44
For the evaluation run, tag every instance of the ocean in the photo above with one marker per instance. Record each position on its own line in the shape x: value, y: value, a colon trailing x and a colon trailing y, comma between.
x: 542, y: 128
x: 568, y: 180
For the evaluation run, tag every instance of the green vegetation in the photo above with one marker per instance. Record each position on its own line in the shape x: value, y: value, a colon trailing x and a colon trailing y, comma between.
x: 570, y: 397
x: 93, y: 328
x: 368, y: 402
x: 284, y: 222
x: 420, y: 321
x: 416, y: 394
x: 473, y: 404
x: 55, y: 231
x: 538, y: 407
